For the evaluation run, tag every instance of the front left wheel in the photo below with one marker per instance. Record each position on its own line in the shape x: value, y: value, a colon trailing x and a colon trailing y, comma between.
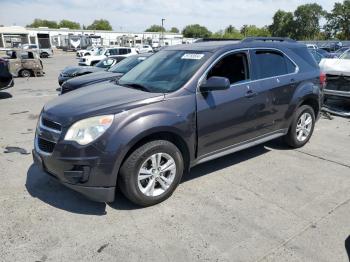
x: 151, y: 173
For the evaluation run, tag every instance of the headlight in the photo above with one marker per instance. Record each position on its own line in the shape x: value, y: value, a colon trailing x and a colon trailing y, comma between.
x: 87, y: 130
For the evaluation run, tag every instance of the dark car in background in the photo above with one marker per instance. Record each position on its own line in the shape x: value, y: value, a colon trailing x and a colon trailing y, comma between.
x: 6, y: 79
x: 74, y: 71
x: 114, y: 72
x: 182, y: 106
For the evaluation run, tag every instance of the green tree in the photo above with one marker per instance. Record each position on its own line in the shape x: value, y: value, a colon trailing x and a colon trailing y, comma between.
x: 101, y: 24
x: 253, y: 30
x: 196, y: 31
x: 155, y: 28
x: 43, y: 23
x: 338, y: 21
x: 282, y: 25
x: 69, y: 24
x: 307, y: 21
x: 174, y: 30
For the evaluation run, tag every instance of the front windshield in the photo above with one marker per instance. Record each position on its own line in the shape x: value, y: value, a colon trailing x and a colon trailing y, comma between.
x: 127, y: 64
x: 342, y: 50
x: 346, y: 55
x: 165, y: 71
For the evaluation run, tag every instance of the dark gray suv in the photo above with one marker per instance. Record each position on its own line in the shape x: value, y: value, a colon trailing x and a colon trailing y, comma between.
x: 183, y: 106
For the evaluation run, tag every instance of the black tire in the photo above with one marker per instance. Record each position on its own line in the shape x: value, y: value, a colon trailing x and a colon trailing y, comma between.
x: 86, y: 54
x: 128, y: 175
x: 291, y: 138
x: 93, y: 63
x: 25, y: 73
x: 44, y: 55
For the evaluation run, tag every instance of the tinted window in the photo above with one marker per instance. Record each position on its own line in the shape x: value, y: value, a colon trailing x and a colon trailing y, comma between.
x: 123, y: 51
x: 127, y: 64
x: 273, y: 63
x: 113, y: 51
x: 234, y: 67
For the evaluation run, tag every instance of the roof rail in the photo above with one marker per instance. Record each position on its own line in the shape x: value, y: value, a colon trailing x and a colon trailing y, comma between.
x: 268, y: 39
x: 215, y: 39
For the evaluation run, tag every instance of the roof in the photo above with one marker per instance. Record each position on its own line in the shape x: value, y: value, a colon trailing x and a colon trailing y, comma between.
x: 213, y: 46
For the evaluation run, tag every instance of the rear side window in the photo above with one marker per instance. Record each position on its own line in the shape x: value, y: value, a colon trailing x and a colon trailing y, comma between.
x: 273, y: 63
x: 123, y: 51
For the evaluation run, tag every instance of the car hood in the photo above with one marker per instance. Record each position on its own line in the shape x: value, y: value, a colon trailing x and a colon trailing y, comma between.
x: 90, y: 79
x: 79, y: 70
x: 100, y: 99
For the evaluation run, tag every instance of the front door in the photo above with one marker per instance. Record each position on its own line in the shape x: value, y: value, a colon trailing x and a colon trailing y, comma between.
x: 229, y: 117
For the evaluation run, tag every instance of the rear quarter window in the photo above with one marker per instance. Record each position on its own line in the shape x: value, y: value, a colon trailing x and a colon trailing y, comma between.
x: 305, y: 55
x: 272, y: 63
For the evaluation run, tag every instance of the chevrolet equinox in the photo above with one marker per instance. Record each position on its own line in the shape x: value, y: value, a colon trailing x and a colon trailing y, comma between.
x: 183, y: 106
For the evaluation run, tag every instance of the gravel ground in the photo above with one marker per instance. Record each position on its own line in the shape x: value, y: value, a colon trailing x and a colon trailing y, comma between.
x: 267, y: 203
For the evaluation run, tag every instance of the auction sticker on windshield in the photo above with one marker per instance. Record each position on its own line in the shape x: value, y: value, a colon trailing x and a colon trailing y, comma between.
x: 192, y: 56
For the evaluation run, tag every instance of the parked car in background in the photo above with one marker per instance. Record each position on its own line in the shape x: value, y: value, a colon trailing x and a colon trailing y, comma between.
x: 25, y: 63
x: 317, y: 55
x: 338, y: 76
x: 6, y: 79
x: 341, y: 51
x: 182, y: 106
x: 115, y: 72
x: 325, y: 53
x: 93, y: 59
x: 89, y: 51
x: 312, y: 46
x: 43, y: 52
x: 74, y: 71
x: 144, y: 49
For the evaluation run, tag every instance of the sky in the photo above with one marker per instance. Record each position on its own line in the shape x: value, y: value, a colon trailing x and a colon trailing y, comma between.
x: 137, y: 15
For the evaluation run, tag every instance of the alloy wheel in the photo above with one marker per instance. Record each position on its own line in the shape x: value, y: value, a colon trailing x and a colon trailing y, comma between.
x: 156, y: 174
x: 304, y: 127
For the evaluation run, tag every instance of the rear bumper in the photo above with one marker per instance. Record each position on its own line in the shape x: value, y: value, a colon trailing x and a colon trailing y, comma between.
x: 345, y: 94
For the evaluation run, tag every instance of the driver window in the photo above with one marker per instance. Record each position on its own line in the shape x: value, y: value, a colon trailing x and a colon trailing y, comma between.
x: 234, y: 67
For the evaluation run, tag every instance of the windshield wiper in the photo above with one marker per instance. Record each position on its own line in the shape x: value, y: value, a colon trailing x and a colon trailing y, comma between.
x: 136, y: 86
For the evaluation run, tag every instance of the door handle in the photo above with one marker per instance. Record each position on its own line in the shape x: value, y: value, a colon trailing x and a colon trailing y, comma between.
x: 250, y: 94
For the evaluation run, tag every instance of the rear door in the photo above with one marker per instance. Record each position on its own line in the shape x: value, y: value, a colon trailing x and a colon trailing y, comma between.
x: 276, y: 73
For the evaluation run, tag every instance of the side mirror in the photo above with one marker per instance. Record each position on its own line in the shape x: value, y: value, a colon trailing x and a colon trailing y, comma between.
x: 215, y: 83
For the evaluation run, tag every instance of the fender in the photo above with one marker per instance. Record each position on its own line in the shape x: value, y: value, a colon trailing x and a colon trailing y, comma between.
x: 304, y: 91
x: 156, y: 118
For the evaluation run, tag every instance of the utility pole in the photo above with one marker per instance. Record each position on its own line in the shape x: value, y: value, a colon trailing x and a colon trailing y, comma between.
x: 163, y: 19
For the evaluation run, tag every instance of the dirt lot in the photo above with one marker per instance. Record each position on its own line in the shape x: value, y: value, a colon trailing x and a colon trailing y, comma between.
x: 267, y: 203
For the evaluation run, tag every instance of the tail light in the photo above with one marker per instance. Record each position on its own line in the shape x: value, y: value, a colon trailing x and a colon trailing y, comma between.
x: 323, y: 80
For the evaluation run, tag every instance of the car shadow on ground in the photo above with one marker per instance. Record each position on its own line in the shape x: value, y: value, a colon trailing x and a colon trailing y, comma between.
x: 347, y: 246
x: 224, y: 162
x: 45, y: 188
x: 50, y: 191
x: 5, y: 95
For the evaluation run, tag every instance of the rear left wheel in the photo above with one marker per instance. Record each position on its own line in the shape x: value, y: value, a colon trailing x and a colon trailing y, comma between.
x: 151, y: 173
x: 302, y: 127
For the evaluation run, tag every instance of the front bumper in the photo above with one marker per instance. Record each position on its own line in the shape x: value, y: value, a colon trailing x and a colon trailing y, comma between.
x: 11, y: 84
x: 85, y: 169
x: 95, y: 193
